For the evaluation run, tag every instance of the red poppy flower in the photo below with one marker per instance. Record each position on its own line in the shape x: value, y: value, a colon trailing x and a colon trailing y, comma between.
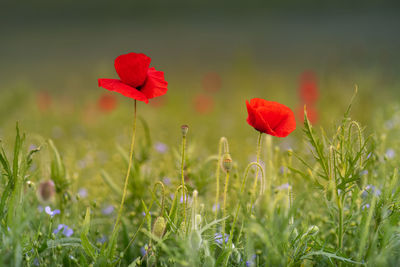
x: 270, y: 117
x: 137, y: 80
x: 312, y: 114
x: 203, y: 104
x: 211, y: 82
x: 107, y: 102
x: 43, y: 100
x: 308, y: 88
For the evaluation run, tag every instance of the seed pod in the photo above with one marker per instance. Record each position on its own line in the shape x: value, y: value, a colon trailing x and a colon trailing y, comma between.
x: 227, y: 162
x: 195, y: 240
x: 184, y: 129
x: 159, y: 227
x: 313, y: 230
x: 46, y: 191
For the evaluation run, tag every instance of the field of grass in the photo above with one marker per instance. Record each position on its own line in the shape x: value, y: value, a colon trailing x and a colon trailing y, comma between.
x: 326, y: 195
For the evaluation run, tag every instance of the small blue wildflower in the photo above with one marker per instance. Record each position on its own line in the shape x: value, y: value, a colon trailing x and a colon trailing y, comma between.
x: 251, y: 261
x: 108, y: 210
x: 50, y: 212
x: 36, y: 262
x: 219, y: 238
x: 366, y: 206
x: 167, y: 181
x: 364, y: 172
x: 372, y: 190
x: 65, y: 230
x: 143, y: 250
x: 40, y: 208
x: 32, y: 147
x: 390, y: 153
x: 144, y: 213
x: 216, y: 207
x: 102, y: 239
x: 83, y: 192
x: 283, y: 186
x: 161, y: 147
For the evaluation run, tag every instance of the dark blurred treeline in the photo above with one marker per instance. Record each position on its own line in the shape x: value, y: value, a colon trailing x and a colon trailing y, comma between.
x: 21, y: 11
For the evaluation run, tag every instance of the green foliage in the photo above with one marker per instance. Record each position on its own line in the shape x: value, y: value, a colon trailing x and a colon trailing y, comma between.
x: 335, y: 203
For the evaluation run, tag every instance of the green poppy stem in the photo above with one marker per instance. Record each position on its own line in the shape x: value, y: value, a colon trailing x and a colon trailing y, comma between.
x: 257, y: 171
x: 121, y: 207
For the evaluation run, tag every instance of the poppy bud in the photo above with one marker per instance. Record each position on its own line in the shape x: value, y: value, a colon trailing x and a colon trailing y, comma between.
x: 159, y: 227
x: 195, y: 240
x: 184, y: 129
x: 46, y: 190
x: 227, y: 162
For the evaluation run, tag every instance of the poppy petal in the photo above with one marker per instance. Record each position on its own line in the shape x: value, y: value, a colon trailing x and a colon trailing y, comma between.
x: 122, y: 88
x: 255, y: 120
x: 132, y: 68
x: 155, y: 84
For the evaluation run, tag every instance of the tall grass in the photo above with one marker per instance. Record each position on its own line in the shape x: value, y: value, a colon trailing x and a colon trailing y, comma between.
x: 333, y: 203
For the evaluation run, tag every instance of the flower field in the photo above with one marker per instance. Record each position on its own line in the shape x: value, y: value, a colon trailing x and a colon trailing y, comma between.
x: 140, y: 158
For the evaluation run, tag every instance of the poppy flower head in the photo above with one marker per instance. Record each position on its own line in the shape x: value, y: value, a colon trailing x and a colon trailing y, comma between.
x: 270, y: 117
x: 43, y: 100
x: 107, y: 102
x: 137, y: 79
x: 308, y: 88
x: 312, y: 114
x: 203, y: 103
x: 211, y: 82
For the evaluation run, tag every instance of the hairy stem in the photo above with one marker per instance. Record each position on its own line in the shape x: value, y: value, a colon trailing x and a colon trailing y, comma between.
x: 257, y: 171
x: 225, y: 193
x: 121, y: 207
x: 183, y: 177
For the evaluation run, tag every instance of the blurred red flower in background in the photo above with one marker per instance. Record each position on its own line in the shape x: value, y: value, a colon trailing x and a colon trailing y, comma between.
x: 203, y: 103
x: 137, y: 79
x: 308, y: 89
x: 107, y: 102
x: 43, y: 100
x: 312, y: 114
x: 211, y: 82
x: 270, y: 117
